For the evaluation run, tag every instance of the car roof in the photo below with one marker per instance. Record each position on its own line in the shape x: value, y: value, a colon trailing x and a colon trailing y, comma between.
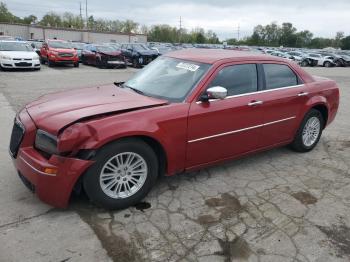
x: 211, y: 56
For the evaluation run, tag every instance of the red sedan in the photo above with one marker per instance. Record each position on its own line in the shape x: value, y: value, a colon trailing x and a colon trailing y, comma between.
x: 115, y: 140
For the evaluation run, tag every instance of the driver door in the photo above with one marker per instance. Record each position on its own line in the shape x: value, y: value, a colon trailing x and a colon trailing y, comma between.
x: 230, y: 127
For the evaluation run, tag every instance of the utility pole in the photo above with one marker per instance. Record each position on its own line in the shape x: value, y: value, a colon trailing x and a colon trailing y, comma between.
x: 81, y: 16
x: 237, y: 32
x: 180, y: 32
x: 86, y: 13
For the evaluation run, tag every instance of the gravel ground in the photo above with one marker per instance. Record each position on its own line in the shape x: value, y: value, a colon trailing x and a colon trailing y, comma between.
x: 273, y: 206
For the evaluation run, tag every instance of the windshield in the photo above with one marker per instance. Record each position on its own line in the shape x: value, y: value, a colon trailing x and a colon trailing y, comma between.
x: 60, y: 44
x: 168, y: 78
x: 104, y: 49
x: 14, y: 46
x: 79, y: 46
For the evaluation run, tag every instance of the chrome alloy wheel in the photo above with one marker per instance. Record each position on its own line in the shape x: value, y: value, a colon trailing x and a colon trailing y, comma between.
x: 123, y: 175
x: 311, y: 131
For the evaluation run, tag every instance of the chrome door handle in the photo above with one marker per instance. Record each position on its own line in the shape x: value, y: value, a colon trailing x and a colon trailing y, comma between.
x: 303, y: 94
x: 255, y: 103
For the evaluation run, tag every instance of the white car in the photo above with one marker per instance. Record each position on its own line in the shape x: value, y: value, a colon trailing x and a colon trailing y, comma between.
x: 326, y: 61
x: 17, y: 54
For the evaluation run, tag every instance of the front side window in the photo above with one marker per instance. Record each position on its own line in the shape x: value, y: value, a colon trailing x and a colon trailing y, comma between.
x: 237, y: 79
x: 168, y: 78
x: 277, y: 76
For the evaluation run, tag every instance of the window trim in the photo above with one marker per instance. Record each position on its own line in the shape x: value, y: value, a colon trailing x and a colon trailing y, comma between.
x: 299, y: 81
x: 253, y: 93
x: 260, y: 83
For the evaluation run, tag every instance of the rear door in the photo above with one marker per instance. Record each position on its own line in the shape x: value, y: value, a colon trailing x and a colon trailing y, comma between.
x: 229, y: 127
x: 283, y: 96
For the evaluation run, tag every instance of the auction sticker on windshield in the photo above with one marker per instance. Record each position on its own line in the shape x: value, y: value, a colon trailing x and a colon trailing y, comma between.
x: 190, y: 67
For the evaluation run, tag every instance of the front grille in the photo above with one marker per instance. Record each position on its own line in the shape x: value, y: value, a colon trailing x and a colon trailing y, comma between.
x: 23, y: 64
x: 16, y: 138
x: 65, y: 54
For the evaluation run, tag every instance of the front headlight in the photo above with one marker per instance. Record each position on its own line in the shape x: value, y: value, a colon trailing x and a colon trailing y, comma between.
x: 5, y: 57
x: 46, y: 142
x: 36, y: 57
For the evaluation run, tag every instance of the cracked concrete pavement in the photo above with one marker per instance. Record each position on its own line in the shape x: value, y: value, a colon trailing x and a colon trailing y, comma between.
x: 274, y: 206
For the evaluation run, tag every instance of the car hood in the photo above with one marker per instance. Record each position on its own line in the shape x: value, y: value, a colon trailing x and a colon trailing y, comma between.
x: 63, y: 50
x: 116, y: 53
x: 147, y: 52
x: 55, y: 111
x: 19, y: 54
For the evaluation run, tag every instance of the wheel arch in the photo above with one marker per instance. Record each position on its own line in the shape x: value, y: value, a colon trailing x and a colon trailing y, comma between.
x: 154, y: 143
x: 323, y: 109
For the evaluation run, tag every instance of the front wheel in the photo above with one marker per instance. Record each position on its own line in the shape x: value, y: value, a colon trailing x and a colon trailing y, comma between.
x: 123, y: 174
x: 304, y: 63
x: 50, y: 63
x: 76, y: 64
x: 309, y: 132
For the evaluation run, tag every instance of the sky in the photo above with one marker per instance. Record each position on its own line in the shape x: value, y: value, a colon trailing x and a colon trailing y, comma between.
x: 322, y: 17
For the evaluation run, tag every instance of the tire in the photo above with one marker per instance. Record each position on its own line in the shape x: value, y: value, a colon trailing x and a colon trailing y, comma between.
x: 99, y: 63
x: 42, y: 61
x: 50, y: 63
x: 106, y: 198
x: 303, y: 145
x: 304, y: 63
x: 83, y: 60
x: 76, y: 64
x: 135, y: 63
x: 327, y: 64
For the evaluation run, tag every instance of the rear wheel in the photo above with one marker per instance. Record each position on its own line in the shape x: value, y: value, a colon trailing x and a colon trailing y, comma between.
x: 309, y: 132
x: 327, y: 64
x: 123, y: 174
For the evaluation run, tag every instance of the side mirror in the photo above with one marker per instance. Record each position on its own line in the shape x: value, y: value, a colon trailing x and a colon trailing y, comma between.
x: 215, y: 92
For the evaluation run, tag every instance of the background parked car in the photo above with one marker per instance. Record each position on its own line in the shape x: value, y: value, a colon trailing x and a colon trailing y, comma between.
x: 79, y: 47
x: 36, y: 45
x: 58, y: 52
x: 162, y: 49
x: 17, y: 54
x: 103, y: 56
x: 322, y: 60
x: 138, y: 54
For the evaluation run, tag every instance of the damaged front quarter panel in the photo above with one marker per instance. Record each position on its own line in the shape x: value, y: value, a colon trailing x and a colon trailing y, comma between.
x: 72, y: 139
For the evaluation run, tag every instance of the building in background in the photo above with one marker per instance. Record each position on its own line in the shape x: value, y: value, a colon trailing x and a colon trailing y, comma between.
x: 26, y: 32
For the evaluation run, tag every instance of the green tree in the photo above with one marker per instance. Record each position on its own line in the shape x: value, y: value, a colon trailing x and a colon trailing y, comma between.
x: 129, y: 26
x: 345, y: 43
x: 6, y: 16
x: 51, y: 19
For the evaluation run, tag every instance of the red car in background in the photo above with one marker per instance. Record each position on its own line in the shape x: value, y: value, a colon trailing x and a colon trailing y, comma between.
x: 186, y: 110
x: 103, y: 56
x: 55, y: 52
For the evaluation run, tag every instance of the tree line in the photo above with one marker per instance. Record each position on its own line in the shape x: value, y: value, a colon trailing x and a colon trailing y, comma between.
x: 263, y: 35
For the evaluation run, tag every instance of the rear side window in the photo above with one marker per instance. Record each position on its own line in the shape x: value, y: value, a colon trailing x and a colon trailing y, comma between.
x: 237, y: 79
x: 278, y: 76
